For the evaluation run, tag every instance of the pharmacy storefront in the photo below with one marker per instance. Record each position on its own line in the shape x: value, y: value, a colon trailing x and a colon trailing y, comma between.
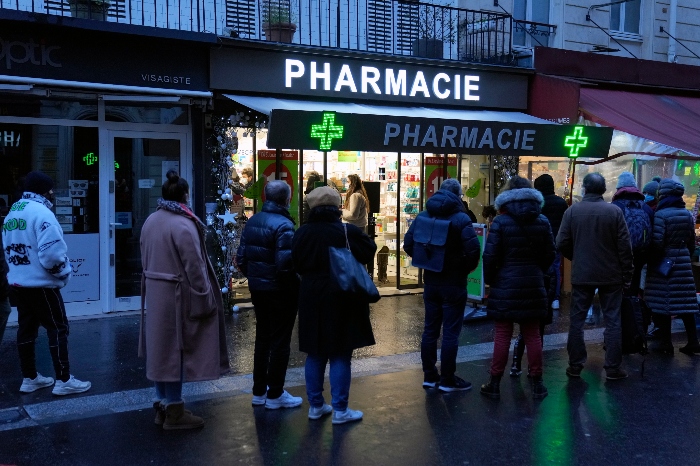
x: 402, y: 126
x: 105, y: 118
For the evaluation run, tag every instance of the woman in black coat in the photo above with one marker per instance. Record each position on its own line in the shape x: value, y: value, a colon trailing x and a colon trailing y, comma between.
x: 519, y: 250
x: 673, y: 239
x: 331, y: 325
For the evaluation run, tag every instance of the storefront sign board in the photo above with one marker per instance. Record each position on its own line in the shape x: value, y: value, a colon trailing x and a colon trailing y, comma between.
x: 383, y: 133
x: 366, y: 78
x: 475, y: 280
x: 84, y: 284
x: 289, y: 172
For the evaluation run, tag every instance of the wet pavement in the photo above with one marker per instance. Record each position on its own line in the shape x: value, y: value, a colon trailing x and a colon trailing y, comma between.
x: 642, y: 420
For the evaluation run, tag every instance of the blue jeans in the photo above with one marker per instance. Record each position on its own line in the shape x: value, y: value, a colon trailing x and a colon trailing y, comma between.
x: 171, y: 392
x: 339, y: 378
x: 444, y: 308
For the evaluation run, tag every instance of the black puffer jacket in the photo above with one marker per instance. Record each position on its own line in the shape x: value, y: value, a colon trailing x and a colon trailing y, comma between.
x: 519, y: 250
x: 265, y: 252
x: 462, y: 248
x: 554, y: 206
x: 674, y: 239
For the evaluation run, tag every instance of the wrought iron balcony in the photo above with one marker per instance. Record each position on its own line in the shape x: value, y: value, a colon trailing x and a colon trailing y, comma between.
x: 395, y: 27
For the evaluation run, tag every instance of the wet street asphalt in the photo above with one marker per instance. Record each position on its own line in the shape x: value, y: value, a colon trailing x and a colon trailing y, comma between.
x: 642, y: 420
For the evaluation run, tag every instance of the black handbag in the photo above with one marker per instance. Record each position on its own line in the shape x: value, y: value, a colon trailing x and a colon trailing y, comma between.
x: 665, y: 267
x: 348, y: 275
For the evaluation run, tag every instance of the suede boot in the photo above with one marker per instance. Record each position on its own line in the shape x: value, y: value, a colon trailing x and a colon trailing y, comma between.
x: 160, y: 413
x: 492, y: 389
x: 518, y: 351
x: 177, y: 418
x: 539, y: 391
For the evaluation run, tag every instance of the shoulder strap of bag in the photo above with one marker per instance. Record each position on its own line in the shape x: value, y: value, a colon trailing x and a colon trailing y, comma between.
x: 347, y: 242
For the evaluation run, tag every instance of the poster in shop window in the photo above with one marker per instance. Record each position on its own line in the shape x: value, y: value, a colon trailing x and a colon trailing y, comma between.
x: 289, y: 172
x: 475, y: 280
x: 435, y: 173
x: 84, y: 284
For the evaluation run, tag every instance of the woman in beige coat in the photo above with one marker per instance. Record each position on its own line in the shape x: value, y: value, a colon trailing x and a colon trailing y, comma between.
x: 356, y: 208
x: 184, y: 327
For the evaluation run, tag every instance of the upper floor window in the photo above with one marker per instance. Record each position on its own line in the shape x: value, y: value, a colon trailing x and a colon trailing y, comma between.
x: 535, y: 11
x: 624, y: 17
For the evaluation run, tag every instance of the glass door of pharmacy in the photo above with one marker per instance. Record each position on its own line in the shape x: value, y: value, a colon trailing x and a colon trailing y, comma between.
x: 140, y: 161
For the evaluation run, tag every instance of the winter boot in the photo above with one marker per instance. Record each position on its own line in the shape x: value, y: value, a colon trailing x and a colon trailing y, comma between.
x: 177, y: 418
x: 518, y: 351
x: 160, y: 413
x: 539, y: 391
x: 492, y: 389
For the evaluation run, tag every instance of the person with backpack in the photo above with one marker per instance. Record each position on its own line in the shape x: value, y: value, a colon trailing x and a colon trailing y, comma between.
x: 442, y: 241
x: 670, y: 287
x: 639, y: 218
x: 519, y: 251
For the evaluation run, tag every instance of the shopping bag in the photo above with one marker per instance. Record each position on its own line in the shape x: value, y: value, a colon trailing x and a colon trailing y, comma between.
x: 349, y: 276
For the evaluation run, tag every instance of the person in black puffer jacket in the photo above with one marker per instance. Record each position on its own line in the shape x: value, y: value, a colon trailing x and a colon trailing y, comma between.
x: 673, y: 239
x: 265, y: 257
x: 445, y: 292
x: 519, y: 251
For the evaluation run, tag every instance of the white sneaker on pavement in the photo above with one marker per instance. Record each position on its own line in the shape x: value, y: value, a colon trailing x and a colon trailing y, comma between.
x: 349, y: 415
x: 70, y: 386
x: 32, y: 385
x: 259, y: 400
x: 555, y: 304
x: 319, y: 412
x: 284, y: 401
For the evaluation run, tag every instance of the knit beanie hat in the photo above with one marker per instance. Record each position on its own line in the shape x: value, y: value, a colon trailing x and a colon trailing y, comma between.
x: 453, y: 186
x: 38, y: 182
x: 669, y: 187
x: 652, y: 187
x: 544, y: 183
x: 626, y: 180
x: 325, y: 195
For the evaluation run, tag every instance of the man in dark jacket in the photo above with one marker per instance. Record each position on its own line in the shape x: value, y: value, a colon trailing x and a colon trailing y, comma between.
x: 594, y: 236
x: 445, y: 292
x: 265, y: 257
x: 554, y: 208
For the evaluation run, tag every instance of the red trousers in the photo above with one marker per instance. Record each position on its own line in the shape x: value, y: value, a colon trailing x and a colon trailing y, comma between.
x: 501, y: 346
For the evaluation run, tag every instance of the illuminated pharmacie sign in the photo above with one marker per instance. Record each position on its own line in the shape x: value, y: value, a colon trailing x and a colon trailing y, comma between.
x: 9, y: 139
x: 364, y: 77
x: 394, y: 81
x: 291, y: 129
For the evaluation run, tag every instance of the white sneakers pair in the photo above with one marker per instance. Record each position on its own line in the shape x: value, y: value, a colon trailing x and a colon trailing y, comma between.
x: 286, y: 400
x: 339, y: 417
x: 69, y: 387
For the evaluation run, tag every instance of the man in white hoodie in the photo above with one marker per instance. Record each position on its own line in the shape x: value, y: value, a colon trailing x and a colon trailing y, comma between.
x: 38, y: 268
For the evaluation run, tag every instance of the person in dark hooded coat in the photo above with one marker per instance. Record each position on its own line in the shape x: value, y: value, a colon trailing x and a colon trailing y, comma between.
x: 330, y: 326
x: 519, y: 251
x: 673, y: 239
x: 445, y: 292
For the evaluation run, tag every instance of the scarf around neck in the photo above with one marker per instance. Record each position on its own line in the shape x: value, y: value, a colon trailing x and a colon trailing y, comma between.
x: 37, y: 198
x: 670, y: 201
x: 182, y: 209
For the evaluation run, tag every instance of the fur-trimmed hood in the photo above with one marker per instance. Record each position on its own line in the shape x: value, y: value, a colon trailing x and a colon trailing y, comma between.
x: 524, y: 203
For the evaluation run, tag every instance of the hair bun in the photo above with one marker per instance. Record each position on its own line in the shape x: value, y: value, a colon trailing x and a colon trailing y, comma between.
x: 657, y: 179
x: 172, y: 176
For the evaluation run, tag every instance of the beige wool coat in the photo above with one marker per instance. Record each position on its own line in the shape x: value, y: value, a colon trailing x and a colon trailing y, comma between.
x: 183, y: 331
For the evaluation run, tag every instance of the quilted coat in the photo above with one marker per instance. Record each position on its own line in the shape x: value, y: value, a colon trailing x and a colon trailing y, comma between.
x: 183, y: 332
x: 519, y: 250
x: 674, y: 239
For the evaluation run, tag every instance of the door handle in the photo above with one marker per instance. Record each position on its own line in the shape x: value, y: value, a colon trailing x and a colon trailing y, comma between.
x: 115, y: 224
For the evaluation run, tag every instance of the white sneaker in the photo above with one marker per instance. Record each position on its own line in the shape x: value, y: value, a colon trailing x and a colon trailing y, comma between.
x: 590, y: 319
x: 284, y: 401
x: 259, y: 400
x: 317, y: 413
x: 349, y: 415
x: 32, y: 385
x: 70, y: 387
x: 555, y: 304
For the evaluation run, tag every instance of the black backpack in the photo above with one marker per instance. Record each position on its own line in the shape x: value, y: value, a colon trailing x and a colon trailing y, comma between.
x: 638, y: 224
x: 430, y: 243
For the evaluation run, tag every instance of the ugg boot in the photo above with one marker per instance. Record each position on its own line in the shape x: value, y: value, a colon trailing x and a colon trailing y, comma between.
x: 492, y: 389
x: 539, y: 391
x: 160, y: 413
x: 518, y: 351
x: 176, y: 417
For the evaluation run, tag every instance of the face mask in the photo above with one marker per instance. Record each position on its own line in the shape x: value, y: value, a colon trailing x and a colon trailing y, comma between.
x: 648, y: 198
x: 244, y: 180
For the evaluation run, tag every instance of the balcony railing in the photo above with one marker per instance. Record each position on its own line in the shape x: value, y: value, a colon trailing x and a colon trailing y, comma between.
x: 395, y: 27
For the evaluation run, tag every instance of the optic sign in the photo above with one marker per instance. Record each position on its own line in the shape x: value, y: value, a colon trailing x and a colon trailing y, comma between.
x: 363, y: 77
x: 9, y: 139
x: 91, y: 159
x: 382, y: 133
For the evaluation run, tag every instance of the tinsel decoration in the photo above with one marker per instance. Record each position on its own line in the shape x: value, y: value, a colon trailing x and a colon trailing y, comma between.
x: 225, y: 228
x: 504, y: 168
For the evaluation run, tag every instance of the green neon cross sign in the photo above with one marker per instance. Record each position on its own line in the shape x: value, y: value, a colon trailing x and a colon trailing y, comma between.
x: 575, y: 142
x: 327, y: 131
x: 90, y: 158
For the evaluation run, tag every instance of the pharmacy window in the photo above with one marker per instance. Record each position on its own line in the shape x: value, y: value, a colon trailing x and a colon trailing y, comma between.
x: 624, y: 17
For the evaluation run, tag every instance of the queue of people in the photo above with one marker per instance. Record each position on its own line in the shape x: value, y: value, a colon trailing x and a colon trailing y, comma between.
x: 183, y: 334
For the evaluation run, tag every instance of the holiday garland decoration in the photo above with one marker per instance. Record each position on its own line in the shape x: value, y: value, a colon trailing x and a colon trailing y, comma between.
x: 226, y: 227
x: 504, y: 168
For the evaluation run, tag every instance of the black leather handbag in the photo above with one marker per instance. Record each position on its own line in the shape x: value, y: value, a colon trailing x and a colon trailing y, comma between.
x: 349, y: 275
